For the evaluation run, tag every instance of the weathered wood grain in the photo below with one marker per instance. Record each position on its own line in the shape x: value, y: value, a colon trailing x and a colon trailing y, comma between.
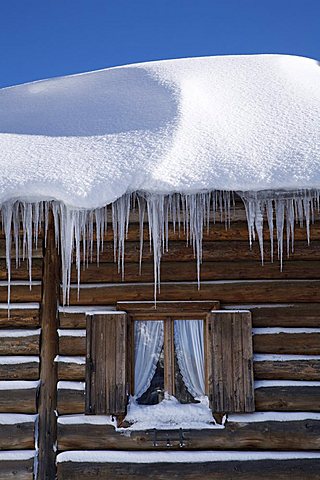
x: 19, y: 436
x: 20, y: 344
x: 17, y: 469
x: 71, y: 371
x: 49, y: 349
x: 279, y: 291
x: 18, y: 400
x: 20, y: 293
x: 19, y: 317
x: 19, y: 371
x: 288, y: 398
x: 268, y: 435
x: 288, y: 343
x: 187, y: 271
x: 287, y: 370
x: 72, y: 345
x: 22, y: 272
x: 278, y: 398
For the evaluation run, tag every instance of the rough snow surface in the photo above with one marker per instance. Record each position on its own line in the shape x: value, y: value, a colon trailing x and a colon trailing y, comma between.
x: 270, y: 357
x: 14, y: 418
x: 65, y: 385
x: 285, y: 383
x: 272, y: 417
x: 112, y: 456
x: 17, y: 359
x: 18, y: 384
x: 78, y: 360
x: 187, y: 125
x: 87, y: 420
x: 14, y: 455
x: 170, y: 414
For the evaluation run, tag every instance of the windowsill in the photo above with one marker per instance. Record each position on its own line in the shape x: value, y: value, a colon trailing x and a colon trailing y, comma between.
x: 170, y: 414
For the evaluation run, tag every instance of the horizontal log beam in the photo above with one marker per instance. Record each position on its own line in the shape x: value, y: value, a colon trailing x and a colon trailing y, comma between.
x: 234, y: 291
x: 269, y: 435
x: 20, y: 344
x: 19, y: 436
x: 287, y: 343
x: 20, y: 293
x: 19, y: 371
x: 299, y: 469
x: 19, y: 317
x: 17, y: 469
x: 288, y: 398
x: 187, y: 271
x: 22, y: 272
x: 263, y: 370
x: 211, y: 252
x: 287, y: 370
x: 294, y: 315
x: 18, y: 400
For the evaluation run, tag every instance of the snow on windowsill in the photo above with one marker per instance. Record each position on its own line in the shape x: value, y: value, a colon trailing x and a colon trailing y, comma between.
x: 170, y: 414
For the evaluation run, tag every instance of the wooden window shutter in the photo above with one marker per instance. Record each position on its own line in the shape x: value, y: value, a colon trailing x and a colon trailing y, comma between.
x: 106, y: 364
x: 230, y: 361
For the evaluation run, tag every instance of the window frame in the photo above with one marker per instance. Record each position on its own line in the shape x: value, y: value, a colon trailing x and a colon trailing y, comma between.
x: 167, y: 312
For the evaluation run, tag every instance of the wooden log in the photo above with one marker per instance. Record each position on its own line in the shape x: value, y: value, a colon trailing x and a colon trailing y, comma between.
x: 287, y: 398
x: 287, y: 343
x: 187, y: 271
x: 36, y: 252
x: 277, y: 398
x: 18, y: 400
x: 72, y: 345
x: 287, y: 370
x: 294, y: 315
x: 297, y: 469
x: 220, y: 251
x: 238, y: 230
x: 17, y: 370
x: 22, y: 272
x: 263, y: 370
x: 17, y: 469
x: 18, y: 436
x: 19, y: 317
x: 22, y: 343
x: 229, y: 291
x: 264, y: 435
x: 72, y: 320
x: 20, y: 292
x: 70, y: 401
x: 49, y: 350
x: 71, y: 371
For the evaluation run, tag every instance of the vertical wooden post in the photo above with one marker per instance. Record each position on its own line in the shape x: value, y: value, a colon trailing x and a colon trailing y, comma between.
x: 47, y: 436
x: 169, y: 378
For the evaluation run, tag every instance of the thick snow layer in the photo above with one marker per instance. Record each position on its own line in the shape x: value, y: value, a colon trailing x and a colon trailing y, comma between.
x: 18, y: 384
x: 16, y: 455
x: 65, y: 385
x: 14, y: 418
x: 112, y: 456
x: 285, y: 383
x: 170, y: 414
x: 187, y: 125
x: 73, y: 359
x: 270, y: 357
x: 87, y: 420
x: 17, y: 359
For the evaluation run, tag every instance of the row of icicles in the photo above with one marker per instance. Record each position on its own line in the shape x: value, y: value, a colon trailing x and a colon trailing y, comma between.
x: 77, y: 230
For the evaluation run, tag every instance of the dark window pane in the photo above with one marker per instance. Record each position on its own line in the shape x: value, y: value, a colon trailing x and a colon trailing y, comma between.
x: 155, y: 392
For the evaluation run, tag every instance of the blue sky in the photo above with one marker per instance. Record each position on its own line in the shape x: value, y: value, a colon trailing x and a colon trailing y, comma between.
x: 45, y: 38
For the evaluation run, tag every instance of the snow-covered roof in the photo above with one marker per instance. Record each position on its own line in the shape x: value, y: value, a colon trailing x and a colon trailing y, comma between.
x: 185, y: 125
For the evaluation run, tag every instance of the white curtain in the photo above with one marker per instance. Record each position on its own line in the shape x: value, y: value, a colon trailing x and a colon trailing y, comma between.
x: 148, y: 345
x: 188, y: 337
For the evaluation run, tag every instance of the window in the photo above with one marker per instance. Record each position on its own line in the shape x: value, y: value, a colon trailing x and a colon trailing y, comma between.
x: 168, y: 357
x: 188, y: 349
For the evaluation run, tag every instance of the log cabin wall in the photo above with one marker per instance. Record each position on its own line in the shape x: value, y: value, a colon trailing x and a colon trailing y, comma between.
x: 20, y: 336
x: 285, y: 310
